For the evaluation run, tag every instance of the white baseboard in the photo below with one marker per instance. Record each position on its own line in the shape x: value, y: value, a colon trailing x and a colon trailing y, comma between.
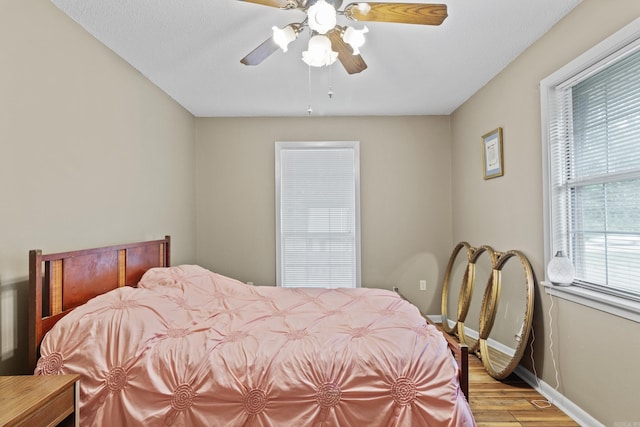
x: 558, y: 399
x: 435, y: 318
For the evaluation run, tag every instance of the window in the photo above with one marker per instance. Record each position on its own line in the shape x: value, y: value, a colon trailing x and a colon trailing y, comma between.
x: 591, y: 139
x: 318, y: 214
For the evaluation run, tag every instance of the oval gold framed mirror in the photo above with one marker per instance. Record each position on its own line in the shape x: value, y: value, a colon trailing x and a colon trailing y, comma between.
x: 489, y: 302
x: 480, y: 271
x: 455, y: 279
x: 507, y: 314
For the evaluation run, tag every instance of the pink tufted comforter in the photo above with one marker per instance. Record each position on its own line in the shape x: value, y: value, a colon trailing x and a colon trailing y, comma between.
x: 189, y: 347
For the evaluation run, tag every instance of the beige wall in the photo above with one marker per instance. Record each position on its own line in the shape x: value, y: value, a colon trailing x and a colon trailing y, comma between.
x: 596, y: 353
x: 405, y: 193
x: 91, y: 154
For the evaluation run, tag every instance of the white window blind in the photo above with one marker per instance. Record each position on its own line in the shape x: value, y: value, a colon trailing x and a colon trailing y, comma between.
x: 317, y: 213
x: 594, y: 172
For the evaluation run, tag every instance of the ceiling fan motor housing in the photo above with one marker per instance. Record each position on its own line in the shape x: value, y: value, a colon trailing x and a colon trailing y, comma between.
x: 305, y: 4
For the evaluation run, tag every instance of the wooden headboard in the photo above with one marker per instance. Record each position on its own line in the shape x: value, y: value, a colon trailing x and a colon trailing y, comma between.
x: 62, y: 281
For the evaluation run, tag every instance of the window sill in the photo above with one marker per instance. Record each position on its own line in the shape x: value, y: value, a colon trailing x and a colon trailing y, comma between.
x: 608, y: 303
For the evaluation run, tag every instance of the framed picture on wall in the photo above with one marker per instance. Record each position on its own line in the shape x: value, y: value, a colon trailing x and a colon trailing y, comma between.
x: 492, y: 158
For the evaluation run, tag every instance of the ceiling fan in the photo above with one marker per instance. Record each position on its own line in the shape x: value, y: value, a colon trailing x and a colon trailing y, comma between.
x: 330, y: 41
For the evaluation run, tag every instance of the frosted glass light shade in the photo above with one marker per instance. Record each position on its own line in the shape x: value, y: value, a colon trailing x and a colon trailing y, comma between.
x: 284, y: 36
x: 355, y: 38
x: 319, y: 52
x: 322, y: 17
x: 560, y: 270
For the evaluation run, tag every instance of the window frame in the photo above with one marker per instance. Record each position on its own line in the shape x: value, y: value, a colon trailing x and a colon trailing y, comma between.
x: 600, y: 55
x: 355, y: 146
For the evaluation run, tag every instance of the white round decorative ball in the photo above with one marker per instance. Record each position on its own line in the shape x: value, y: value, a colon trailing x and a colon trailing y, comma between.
x: 560, y: 270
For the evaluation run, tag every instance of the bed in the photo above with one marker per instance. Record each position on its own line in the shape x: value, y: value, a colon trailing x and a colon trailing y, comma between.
x: 158, y: 345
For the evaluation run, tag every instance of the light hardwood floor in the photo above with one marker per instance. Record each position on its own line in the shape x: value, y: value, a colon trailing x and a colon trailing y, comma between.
x: 508, y: 403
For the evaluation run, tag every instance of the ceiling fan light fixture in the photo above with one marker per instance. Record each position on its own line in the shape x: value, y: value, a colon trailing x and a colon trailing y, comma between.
x: 321, y: 20
x: 283, y: 36
x: 322, y: 17
x: 355, y: 38
x: 319, y: 53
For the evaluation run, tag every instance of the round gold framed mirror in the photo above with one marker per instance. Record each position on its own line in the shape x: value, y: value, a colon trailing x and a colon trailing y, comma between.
x: 507, y: 314
x: 480, y: 271
x: 455, y: 279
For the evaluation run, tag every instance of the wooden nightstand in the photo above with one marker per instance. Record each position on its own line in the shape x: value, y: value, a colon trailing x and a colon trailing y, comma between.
x: 38, y: 401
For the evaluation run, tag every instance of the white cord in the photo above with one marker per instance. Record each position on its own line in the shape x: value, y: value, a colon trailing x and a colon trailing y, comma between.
x: 553, y: 359
x: 544, y: 403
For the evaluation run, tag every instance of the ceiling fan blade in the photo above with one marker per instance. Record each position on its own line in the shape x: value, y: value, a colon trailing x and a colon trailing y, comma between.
x: 404, y: 13
x: 352, y: 63
x: 260, y: 53
x: 280, y: 4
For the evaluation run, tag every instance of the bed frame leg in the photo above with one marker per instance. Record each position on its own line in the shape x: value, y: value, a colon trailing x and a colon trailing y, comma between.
x: 464, y: 370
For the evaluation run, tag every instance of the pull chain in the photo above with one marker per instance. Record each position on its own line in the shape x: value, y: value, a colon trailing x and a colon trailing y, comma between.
x: 309, y: 109
x: 330, y: 93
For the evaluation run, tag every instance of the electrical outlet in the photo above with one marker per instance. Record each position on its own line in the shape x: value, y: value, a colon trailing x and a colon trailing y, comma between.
x: 423, y: 285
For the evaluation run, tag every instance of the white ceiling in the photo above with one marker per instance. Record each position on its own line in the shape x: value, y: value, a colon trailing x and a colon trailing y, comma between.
x: 191, y: 49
